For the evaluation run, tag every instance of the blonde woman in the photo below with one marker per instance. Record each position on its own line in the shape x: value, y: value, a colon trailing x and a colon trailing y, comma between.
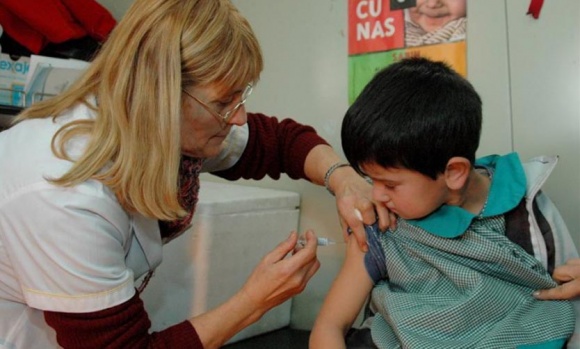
x: 95, y: 180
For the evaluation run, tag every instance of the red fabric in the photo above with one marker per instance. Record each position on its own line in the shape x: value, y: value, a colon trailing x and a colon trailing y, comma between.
x: 274, y: 148
x: 535, y: 8
x: 124, y: 326
x: 97, y: 21
x: 35, y: 23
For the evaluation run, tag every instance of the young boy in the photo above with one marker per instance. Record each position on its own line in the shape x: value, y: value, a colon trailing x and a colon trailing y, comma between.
x: 474, y: 238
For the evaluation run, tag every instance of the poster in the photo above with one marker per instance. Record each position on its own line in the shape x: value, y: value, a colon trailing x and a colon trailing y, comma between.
x: 381, y: 32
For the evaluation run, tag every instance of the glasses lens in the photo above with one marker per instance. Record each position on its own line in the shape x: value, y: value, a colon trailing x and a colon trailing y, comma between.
x: 247, y: 92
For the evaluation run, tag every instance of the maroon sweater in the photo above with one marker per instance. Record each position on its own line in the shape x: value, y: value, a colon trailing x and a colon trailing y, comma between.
x: 274, y: 147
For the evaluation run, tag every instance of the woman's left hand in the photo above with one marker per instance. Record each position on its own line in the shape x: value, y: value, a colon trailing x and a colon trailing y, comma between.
x: 353, y: 193
x: 568, y: 276
x: 355, y: 205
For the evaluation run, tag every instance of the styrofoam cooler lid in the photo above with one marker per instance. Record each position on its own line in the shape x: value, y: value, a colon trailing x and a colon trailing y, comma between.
x: 219, y: 198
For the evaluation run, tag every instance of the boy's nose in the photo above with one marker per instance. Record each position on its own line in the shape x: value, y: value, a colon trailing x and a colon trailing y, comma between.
x: 379, y: 195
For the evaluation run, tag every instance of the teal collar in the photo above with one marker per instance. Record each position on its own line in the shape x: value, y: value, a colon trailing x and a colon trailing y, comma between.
x: 508, y: 187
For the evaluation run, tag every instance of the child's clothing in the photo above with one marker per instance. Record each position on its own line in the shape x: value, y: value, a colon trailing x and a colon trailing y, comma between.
x: 451, y: 32
x: 458, y: 280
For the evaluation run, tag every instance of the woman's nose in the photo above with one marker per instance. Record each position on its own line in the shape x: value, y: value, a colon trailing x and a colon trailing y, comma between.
x: 240, y: 117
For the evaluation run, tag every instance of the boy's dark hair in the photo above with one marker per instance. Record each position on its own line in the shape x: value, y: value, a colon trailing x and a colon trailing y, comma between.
x: 414, y: 114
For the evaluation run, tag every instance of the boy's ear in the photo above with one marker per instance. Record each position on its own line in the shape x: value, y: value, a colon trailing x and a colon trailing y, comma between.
x: 456, y: 172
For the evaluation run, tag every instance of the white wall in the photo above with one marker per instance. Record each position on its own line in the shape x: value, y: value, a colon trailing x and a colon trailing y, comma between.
x: 528, y: 79
x: 545, y: 79
x: 305, y: 77
x: 116, y: 7
x: 528, y: 74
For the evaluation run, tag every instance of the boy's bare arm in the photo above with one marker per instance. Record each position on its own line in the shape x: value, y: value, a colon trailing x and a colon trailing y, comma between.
x: 343, y: 302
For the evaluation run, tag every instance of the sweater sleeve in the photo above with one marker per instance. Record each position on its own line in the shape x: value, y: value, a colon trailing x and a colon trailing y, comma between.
x: 123, y: 326
x: 274, y: 147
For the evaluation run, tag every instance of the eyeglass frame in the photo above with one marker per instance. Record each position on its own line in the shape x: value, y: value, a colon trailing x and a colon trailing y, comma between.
x: 225, y: 119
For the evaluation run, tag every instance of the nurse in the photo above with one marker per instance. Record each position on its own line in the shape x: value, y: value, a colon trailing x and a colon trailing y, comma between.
x: 95, y: 180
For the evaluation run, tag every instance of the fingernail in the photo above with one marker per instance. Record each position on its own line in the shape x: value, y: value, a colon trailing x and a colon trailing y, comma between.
x: 358, y: 214
x: 536, y: 294
x: 291, y: 236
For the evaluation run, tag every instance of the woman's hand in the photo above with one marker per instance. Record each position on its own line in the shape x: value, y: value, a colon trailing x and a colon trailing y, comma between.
x: 353, y: 193
x: 355, y: 205
x: 568, y: 276
x: 276, y: 278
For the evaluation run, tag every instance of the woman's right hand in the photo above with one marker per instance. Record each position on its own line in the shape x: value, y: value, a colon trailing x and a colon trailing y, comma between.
x: 277, y: 278
x: 274, y: 280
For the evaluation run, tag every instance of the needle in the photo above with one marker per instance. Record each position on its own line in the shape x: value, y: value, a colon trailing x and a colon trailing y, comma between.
x: 320, y: 242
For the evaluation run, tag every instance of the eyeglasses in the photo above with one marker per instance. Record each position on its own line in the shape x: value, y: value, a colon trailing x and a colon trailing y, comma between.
x: 225, y: 118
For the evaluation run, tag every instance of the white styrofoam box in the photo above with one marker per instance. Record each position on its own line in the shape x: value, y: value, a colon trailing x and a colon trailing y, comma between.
x: 234, y: 226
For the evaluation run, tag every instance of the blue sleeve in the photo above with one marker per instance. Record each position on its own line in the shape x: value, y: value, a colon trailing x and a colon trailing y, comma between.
x: 375, y: 262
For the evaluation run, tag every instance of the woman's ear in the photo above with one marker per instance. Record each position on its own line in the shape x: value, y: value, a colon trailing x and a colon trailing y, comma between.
x: 457, y: 172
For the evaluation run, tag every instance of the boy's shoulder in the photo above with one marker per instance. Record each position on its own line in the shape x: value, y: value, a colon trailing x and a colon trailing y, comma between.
x: 532, y: 172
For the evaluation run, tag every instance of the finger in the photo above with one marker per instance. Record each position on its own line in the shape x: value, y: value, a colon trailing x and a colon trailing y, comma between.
x: 386, y: 217
x: 393, y: 219
x: 351, y: 217
x: 566, y: 272
x: 304, y: 271
x: 568, y: 290
x: 575, y: 261
x: 283, y: 248
x: 312, y: 269
x: 357, y: 228
x: 310, y: 238
x: 307, y: 253
x: 300, y: 279
x: 300, y: 243
x: 361, y: 237
x: 308, y: 272
x: 365, y: 212
x: 346, y: 230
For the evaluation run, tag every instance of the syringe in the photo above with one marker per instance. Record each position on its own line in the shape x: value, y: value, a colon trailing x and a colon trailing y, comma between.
x: 319, y: 241
x: 327, y: 241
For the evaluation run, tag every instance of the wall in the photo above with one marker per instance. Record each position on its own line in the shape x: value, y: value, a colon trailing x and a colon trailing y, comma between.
x: 528, y: 74
x: 545, y: 92
x: 525, y: 70
x: 116, y: 7
x: 305, y: 77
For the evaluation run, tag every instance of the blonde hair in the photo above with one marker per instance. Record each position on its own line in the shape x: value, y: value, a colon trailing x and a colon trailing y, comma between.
x: 158, y: 48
